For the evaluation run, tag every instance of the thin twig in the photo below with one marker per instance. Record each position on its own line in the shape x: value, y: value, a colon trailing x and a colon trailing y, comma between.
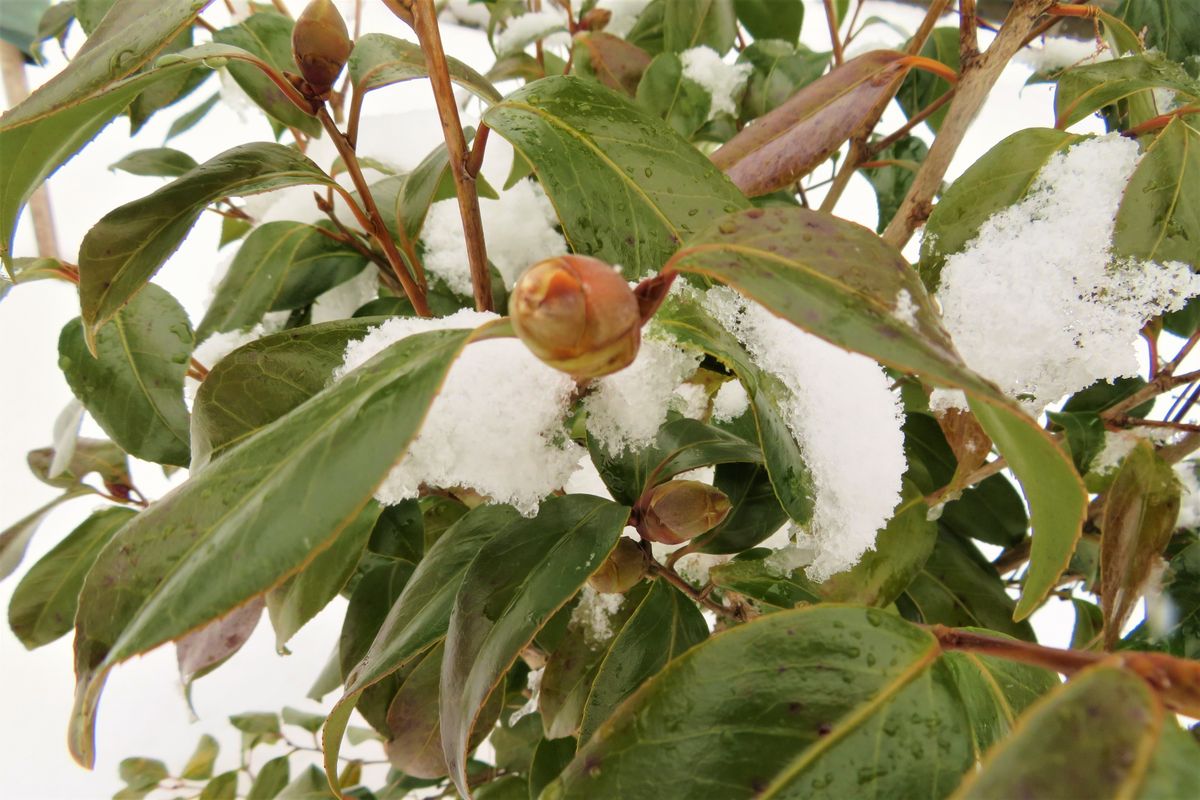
x: 968, y: 32
x: 672, y: 577
x: 475, y: 159
x: 1126, y: 421
x: 834, y: 39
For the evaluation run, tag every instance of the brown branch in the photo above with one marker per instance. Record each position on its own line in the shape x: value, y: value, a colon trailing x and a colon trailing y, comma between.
x: 672, y: 577
x: 968, y: 32
x: 1174, y: 453
x: 1123, y: 421
x: 16, y: 89
x: 201, y: 371
x: 834, y: 39
x: 475, y: 159
x: 976, y: 81
x: 426, y: 26
x: 913, y: 121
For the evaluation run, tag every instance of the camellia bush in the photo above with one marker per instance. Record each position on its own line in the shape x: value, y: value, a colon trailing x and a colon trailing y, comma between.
x: 643, y: 475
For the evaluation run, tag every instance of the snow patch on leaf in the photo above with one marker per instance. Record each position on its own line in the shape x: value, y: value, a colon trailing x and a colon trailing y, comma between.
x: 593, y: 614
x: 723, y: 82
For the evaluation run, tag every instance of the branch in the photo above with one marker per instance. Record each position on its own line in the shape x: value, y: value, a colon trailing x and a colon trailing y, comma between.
x: 834, y: 39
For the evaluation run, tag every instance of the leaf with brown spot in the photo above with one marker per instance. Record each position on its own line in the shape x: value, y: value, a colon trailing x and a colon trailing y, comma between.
x: 203, y: 650
x: 615, y: 62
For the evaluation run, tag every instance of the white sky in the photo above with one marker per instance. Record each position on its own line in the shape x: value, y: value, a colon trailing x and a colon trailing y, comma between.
x: 143, y: 712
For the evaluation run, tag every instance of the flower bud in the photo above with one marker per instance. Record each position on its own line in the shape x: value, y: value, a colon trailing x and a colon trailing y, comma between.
x: 578, y: 315
x: 677, y: 511
x: 320, y: 45
x: 621, y: 571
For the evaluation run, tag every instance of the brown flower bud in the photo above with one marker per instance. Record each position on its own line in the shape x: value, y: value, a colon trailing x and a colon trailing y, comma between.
x: 595, y: 20
x: 621, y: 571
x: 677, y: 511
x: 578, y: 315
x: 320, y: 44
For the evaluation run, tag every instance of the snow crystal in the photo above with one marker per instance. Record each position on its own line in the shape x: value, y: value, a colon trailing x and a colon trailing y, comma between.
x: 1059, y: 52
x: 519, y: 229
x: 625, y: 14
x: 593, y: 614
x: 496, y: 426
x: 1189, y: 507
x: 730, y: 402
x: 1034, y: 304
x: 845, y: 419
x: 626, y: 409
x: 690, y: 400
x: 530, y: 26
x: 724, y: 82
x: 695, y: 567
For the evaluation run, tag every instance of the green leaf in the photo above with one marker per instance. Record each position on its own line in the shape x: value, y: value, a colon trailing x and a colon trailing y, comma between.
x: 268, y: 35
x: 1140, y: 510
x: 124, y: 249
x: 166, y: 92
x: 996, y: 181
x: 920, y: 88
x: 380, y: 60
x: 142, y: 773
x: 756, y: 511
x: 1089, y: 625
x: 370, y: 601
x: 288, y: 491
x: 1171, y: 26
x: 959, y: 587
x: 133, y: 386
x: 901, y: 551
x: 222, y: 787
x: 279, y: 267
x: 308, y: 785
x: 91, y: 12
x: 261, y: 381
x: 893, y: 180
x: 88, y: 456
x: 831, y: 701
x: 1082, y: 91
x: 200, y: 766
x: 530, y: 572
x: 203, y: 650
x: 14, y: 540
x: 599, y: 157
x: 780, y: 70
x: 1084, y: 435
x: 302, y: 719
x: 399, y: 533
x: 299, y: 598
x: 257, y: 727
x: 696, y: 23
x: 611, y: 60
x: 1181, y: 594
x: 771, y: 19
x: 647, y: 32
x: 793, y: 139
x: 190, y: 118
x: 271, y: 779
x: 663, y: 90
x: 156, y: 161
x: 811, y: 269
x: 550, y: 758
x: 664, y: 624
x: 1103, y: 735
x: 419, y: 617
x: 43, y: 605
x: 769, y: 587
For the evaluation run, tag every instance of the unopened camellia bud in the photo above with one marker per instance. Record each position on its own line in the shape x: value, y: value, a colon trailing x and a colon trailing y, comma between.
x: 320, y: 45
x: 677, y: 511
x: 621, y: 571
x: 578, y: 315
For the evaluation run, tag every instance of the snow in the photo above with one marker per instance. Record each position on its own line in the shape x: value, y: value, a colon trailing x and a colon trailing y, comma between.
x: 343, y: 300
x: 1189, y: 481
x: 723, y: 82
x: 690, y: 400
x: 520, y: 229
x: 624, y: 15
x: 906, y: 309
x: 695, y: 567
x: 1059, y: 52
x: 626, y: 409
x: 1034, y: 302
x: 495, y: 427
x: 530, y: 26
x: 730, y: 402
x: 465, y: 11
x: 593, y: 614
x: 846, y: 421
x: 534, y: 684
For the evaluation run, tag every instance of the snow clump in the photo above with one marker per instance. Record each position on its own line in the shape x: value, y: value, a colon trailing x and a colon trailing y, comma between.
x: 723, y: 82
x: 531, y: 26
x: 625, y: 14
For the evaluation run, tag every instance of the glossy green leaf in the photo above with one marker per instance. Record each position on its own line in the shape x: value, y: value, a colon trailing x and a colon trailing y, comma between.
x: 164, y: 93
x: 549, y: 759
x: 600, y: 157
x: 268, y: 35
x: 127, y: 246
x: 279, y: 267
x: 1103, y: 735
x: 373, y: 596
x: 222, y: 787
x: 664, y: 624
x: 920, y: 88
x: 298, y: 599
x: 787, y: 143
x: 958, y: 587
x: 133, y: 386
x: 699, y: 23
x: 419, y: 617
x: 996, y: 181
x: 832, y: 701
x: 199, y: 766
x: 142, y: 773
x: 841, y: 282
x: 88, y: 456
x: 91, y: 12
x: 1084, y: 433
x: 261, y: 381
x: 43, y: 605
x: 895, y: 175
x: 771, y: 588
x: 287, y: 492
x: 780, y: 70
x: 14, y: 540
x: 270, y: 780
x: 647, y: 31
x: 664, y: 91
x: 1171, y: 26
x: 1081, y: 91
x: 380, y: 60
x: 611, y: 60
x: 156, y: 162
x: 530, y: 572
x: 771, y: 19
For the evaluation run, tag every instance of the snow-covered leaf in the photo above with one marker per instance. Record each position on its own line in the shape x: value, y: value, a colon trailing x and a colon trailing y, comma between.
x: 1086, y: 89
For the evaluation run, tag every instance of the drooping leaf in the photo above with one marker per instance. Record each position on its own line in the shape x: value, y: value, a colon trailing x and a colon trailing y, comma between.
x: 287, y: 492
x: 204, y: 649
x: 1081, y: 91
x: 921, y: 88
x: 14, y: 540
x: 127, y: 246
x: 530, y: 572
x: 370, y: 603
x: 1103, y: 735
x: 841, y: 282
x: 380, y: 60
x: 849, y: 708
x: 199, y: 766
x: 156, y: 162
x: 88, y: 456
x: 789, y: 142
x: 43, y: 605
x: 780, y: 70
x: 133, y: 385
x: 697, y: 23
x: 190, y: 118
x: 771, y: 19
x: 600, y: 157
x: 279, y: 267
x: 271, y: 778
x: 1140, y: 510
x: 663, y: 90
x: 268, y: 35
x: 611, y: 60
